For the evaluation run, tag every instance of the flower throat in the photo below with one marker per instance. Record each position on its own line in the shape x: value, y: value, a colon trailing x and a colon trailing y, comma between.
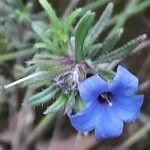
x: 105, y: 98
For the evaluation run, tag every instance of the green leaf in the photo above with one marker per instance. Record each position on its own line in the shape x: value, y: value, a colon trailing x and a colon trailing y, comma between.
x: 108, y: 44
x: 71, y: 45
x: 40, y: 45
x: 71, y: 19
x: 51, y: 14
x: 42, y: 97
x: 40, y: 29
x: 93, y: 49
x: 57, y: 105
x: 47, y: 56
x: 112, y: 40
x: 52, y: 65
x: 122, y: 51
x: 106, y: 74
x: 43, y: 79
x: 100, y: 25
x: 61, y: 36
x: 81, y: 31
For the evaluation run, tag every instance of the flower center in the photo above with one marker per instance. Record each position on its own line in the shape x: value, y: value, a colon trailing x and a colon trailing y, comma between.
x: 105, y: 98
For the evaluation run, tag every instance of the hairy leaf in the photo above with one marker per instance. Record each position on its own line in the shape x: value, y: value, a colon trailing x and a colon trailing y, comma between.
x: 122, y: 51
x: 81, y: 31
x: 51, y: 14
x: 93, y: 49
x: 39, y: 81
x: 108, y: 44
x: 71, y: 19
x: 41, y: 30
x: 42, y: 97
x: 101, y: 24
x: 57, y: 105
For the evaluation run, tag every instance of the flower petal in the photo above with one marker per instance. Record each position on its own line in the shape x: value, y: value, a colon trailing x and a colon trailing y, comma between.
x: 128, y: 108
x: 91, y: 88
x: 109, y: 125
x: 124, y: 82
x: 85, y: 120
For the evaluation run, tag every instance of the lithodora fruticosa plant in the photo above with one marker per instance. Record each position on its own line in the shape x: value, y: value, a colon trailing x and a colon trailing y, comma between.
x: 69, y: 52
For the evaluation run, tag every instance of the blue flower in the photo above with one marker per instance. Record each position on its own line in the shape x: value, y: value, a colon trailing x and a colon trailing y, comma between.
x: 108, y: 105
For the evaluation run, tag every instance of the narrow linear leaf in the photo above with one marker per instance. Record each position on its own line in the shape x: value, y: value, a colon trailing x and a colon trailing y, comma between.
x: 93, y: 49
x: 47, y: 56
x: 43, y: 96
x: 40, y: 45
x: 44, y: 99
x: 51, y: 14
x: 81, y: 31
x: 112, y: 39
x: 122, y: 51
x: 61, y: 36
x: 51, y: 66
x: 57, y: 105
x: 40, y: 29
x: 41, y: 80
x: 71, y: 45
x: 108, y: 44
x: 38, y: 62
x: 101, y: 24
x: 71, y: 19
